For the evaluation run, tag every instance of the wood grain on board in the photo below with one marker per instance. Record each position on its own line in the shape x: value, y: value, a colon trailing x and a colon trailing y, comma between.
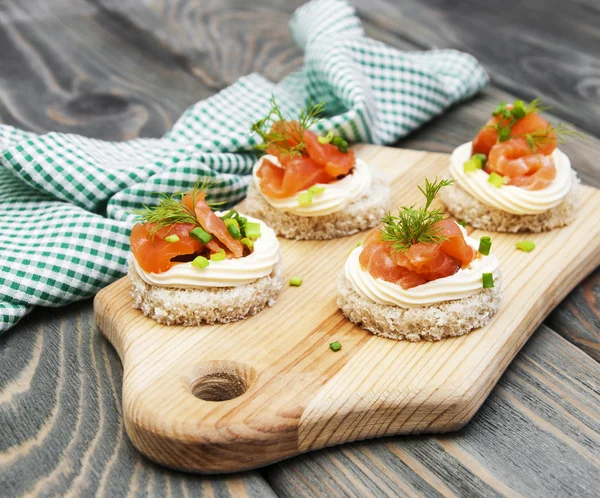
x: 273, y: 387
x: 120, y: 69
x: 553, y: 410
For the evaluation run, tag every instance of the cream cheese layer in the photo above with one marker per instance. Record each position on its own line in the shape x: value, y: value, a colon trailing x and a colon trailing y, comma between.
x: 464, y: 283
x: 226, y: 273
x: 336, y: 196
x: 509, y: 198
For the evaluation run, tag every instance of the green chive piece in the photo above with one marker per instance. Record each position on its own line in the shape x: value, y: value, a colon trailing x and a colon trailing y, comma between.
x: 231, y: 221
x: 488, y: 280
x: 247, y: 242
x: 335, y: 346
x: 252, y: 230
x: 218, y: 256
x: 231, y: 214
x: 201, y: 235
x: 316, y: 190
x: 462, y: 223
x: 503, y: 134
x: 495, y: 179
x: 519, y: 110
x: 172, y: 238
x: 499, y: 109
x: 305, y: 198
x: 471, y: 166
x: 485, y: 244
x: 242, y: 221
x: 359, y: 244
x: 326, y: 139
x: 481, y: 158
x: 234, y: 230
x: 296, y: 281
x: 525, y: 245
x: 340, y: 143
x: 200, y: 262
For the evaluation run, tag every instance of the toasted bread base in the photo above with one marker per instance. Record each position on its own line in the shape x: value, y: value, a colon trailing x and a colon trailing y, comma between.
x: 426, y: 323
x: 361, y: 214
x: 172, y: 306
x: 465, y: 207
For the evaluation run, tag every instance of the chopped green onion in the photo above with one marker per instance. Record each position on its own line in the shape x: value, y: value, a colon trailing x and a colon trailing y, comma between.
x: 231, y: 221
x: 499, y: 109
x: 471, y: 166
x: 488, y: 280
x: 252, y: 230
x: 200, y: 262
x: 495, y: 179
x: 485, y: 244
x: 503, y: 134
x: 201, y: 235
x: 525, y: 245
x: 335, y: 346
x: 359, y: 244
x: 296, y: 281
x: 172, y: 238
x: 231, y: 214
x: 340, y: 143
x: 305, y: 198
x: 519, y: 110
x: 462, y: 223
x: 234, y: 230
x: 316, y: 190
x: 242, y: 221
x: 218, y: 256
x: 326, y: 139
x: 247, y: 242
x: 481, y: 158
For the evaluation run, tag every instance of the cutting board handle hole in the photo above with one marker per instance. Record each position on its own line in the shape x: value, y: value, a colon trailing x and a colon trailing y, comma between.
x: 222, y: 380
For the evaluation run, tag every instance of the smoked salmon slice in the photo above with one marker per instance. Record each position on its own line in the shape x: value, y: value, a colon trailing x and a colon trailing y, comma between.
x: 153, y: 253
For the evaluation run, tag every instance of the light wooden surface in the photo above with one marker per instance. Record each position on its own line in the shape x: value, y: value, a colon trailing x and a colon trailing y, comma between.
x: 119, y: 69
x: 291, y: 393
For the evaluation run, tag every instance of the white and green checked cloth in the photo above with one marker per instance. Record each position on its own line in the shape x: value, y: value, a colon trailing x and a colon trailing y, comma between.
x: 66, y: 200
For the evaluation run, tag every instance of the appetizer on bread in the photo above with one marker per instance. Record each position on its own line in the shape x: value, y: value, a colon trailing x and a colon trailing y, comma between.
x: 192, y: 265
x: 313, y: 187
x: 512, y: 177
x: 420, y: 276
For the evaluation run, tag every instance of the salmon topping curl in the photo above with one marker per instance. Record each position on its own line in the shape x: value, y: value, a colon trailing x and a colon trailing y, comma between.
x: 167, y: 234
x: 417, y: 246
x: 518, y: 144
x: 305, y: 159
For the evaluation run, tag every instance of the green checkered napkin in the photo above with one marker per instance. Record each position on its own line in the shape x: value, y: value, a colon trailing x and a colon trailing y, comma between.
x: 66, y: 200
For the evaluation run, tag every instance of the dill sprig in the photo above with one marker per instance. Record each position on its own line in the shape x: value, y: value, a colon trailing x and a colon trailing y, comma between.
x: 561, y: 131
x: 278, y: 139
x: 413, y: 225
x: 171, y: 210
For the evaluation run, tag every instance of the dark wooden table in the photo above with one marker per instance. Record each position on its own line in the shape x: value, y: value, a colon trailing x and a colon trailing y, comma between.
x: 119, y: 69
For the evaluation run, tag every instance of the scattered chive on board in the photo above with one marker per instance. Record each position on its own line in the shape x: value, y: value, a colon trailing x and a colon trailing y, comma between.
x: 488, y: 280
x: 172, y: 238
x: 485, y: 244
x: 200, y: 262
x: 495, y: 179
x: 525, y: 245
x: 335, y: 346
x: 296, y: 281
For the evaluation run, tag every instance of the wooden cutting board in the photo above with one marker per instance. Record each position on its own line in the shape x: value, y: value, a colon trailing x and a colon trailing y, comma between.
x: 232, y: 397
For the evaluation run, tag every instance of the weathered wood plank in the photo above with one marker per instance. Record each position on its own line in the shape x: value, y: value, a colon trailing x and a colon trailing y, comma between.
x: 538, y: 48
x: 60, y: 413
x: 537, y: 435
